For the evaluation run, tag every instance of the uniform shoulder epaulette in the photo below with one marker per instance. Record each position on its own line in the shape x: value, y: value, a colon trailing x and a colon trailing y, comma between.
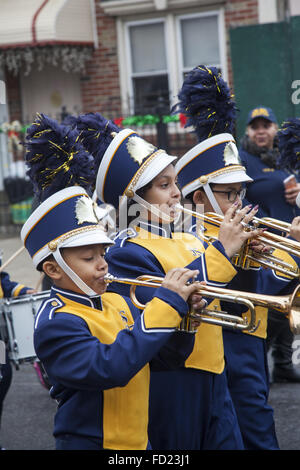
x: 124, y: 235
x: 50, y: 306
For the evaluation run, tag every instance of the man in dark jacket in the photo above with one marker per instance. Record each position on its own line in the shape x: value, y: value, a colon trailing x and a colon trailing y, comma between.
x: 259, y: 153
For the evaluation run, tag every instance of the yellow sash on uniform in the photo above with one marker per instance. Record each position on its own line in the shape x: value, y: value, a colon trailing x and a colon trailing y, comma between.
x: 125, y: 409
x: 177, y: 252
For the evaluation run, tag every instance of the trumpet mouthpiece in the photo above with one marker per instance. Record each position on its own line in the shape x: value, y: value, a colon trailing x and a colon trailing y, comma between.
x: 108, y: 278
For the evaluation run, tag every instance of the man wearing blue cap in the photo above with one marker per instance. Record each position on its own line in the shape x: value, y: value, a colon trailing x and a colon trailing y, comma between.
x: 259, y: 153
x: 261, y: 131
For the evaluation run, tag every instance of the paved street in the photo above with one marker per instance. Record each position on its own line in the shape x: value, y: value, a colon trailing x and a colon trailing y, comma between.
x: 28, y: 414
x: 21, y: 268
x: 28, y: 411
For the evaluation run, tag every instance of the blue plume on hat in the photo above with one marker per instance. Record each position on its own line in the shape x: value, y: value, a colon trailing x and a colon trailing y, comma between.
x: 56, y: 159
x: 205, y: 99
x: 289, y: 145
x: 96, y: 133
x: 69, y: 120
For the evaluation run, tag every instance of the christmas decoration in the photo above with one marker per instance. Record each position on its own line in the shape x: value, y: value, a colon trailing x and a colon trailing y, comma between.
x: 13, y: 131
x: 16, y: 130
x: 148, y: 119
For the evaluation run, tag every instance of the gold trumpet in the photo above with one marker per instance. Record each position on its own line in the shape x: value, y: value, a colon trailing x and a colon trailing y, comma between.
x: 213, y: 317
x: 246, y: 255
x: 286, y: 304
x: 274, y: 224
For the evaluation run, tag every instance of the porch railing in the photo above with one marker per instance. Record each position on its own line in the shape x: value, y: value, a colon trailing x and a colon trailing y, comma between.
x: 164, y: 131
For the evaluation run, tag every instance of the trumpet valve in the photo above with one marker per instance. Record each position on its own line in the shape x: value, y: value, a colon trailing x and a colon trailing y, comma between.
x: 189, y: 324
x: 241, y: 259
x: 255, y: 223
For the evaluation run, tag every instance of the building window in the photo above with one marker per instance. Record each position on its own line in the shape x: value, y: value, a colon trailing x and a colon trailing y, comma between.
x: 158, y: 52
x: 148, y: 66
x: 199, y: 41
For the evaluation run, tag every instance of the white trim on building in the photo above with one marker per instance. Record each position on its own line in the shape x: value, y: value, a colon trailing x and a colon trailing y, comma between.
x: 49, y: 22
x: 129, y: 7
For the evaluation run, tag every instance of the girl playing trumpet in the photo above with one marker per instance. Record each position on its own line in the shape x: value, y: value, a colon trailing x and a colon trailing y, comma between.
x: 190, y: 407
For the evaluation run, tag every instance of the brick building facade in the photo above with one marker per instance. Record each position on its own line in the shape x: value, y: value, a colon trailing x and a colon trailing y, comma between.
x: 123, y: 58
x: 100, y: 85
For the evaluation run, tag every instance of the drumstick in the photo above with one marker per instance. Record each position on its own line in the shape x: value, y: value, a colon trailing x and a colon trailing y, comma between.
x: 12, y: 258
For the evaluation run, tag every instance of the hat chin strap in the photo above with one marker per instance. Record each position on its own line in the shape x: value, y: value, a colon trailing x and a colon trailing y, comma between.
x: 212, y: 199
x: 165, y: 217
x: 75, y: 278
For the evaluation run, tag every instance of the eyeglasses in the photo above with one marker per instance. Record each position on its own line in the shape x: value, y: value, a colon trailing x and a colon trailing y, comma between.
x: 233, y: 195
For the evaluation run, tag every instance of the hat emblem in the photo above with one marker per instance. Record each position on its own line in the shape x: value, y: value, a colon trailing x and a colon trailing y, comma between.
x: 231, y: 154
x: 260, y: 112
x: 85, y: 211
x: 139, y: 149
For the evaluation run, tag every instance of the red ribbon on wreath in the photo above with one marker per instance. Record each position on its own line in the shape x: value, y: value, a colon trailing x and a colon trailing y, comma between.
x: 182, y: 119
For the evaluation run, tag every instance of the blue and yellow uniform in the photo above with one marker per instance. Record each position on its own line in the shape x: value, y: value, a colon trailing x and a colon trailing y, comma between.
x: 95, y: 349
x: 96, y: 353
x: 246, y: 355
x: 214, y: 162
x: 190, y: 408
x: 9, y: 288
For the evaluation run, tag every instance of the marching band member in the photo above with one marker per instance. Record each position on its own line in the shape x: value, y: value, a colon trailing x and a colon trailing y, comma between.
x: 8, y: 288
x: 95, y: 346
x: 190, y: 407
x: 262, y: 153
x: 211, y: 174
x: 275, y: 187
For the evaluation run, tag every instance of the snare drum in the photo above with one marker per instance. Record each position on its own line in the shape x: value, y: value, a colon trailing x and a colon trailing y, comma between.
x: 18, y: 316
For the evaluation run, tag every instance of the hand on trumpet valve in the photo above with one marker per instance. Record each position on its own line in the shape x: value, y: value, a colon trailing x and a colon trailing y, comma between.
x: 295, y: 229
x: 196, y: 300
x: 235, y: 228
x: 260, y: 248
x: 197, y: 305
x: 178, y: 280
